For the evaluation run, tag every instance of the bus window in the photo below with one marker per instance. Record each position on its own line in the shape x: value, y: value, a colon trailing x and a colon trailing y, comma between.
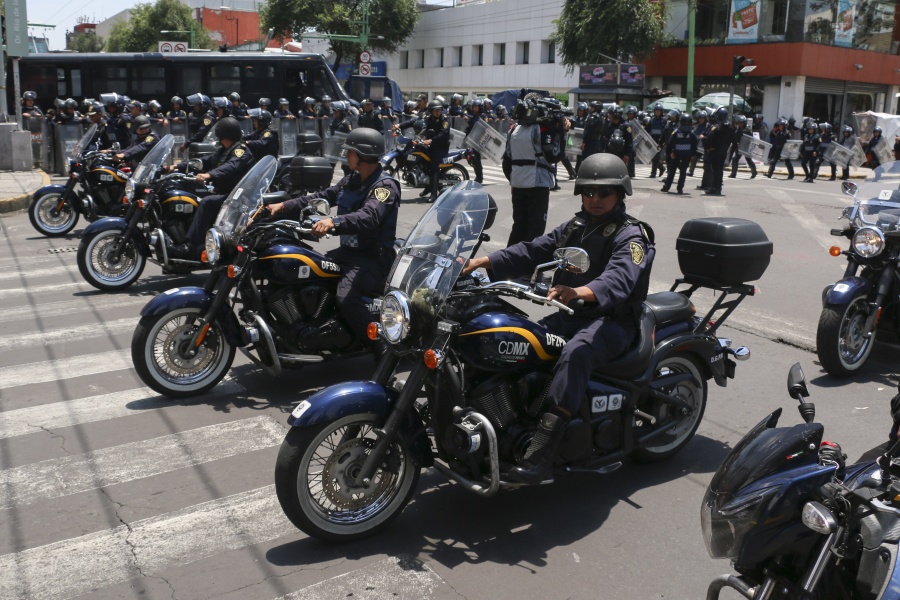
x: 224, y: 79
x: 61, y: 88
x: 149, y: 81
x: 259, y: 81
x: 42, y: 81
x: 300, y: 83
x: 75, y: 75
x: 111, y: 79
x: 188, y: 80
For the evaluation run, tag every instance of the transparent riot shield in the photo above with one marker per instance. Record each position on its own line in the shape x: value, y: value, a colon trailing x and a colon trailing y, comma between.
x: 645, y: 148
x: 754, y: 148
x: 390, y: 140
x: 308, y: 126
x: 884, y: 152
x: 179, y: 133
x: 287, y: 136
x: 859, y: 155
x: 459, y: 123
x: 246, y: 126
x: 488, y: 141
x: 457, y: 138
x: 791, y: 150
x: 838, y: 155
x: 331, y: 148
x: 36, y: 129
x: 574, y: 139
x: 159, y: 128
x: 67, y: 137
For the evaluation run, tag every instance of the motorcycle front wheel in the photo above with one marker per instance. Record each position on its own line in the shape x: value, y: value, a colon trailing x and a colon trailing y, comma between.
x: 52, y: 216
x: 453, y: 175
x: 101, y: 268
x: 314, y: 480
x: 692, y: 392
x: 841, y: 341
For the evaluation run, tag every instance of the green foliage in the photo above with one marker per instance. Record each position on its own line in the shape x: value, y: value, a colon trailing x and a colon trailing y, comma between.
x: 142, y: 32
x: 395, y: 20
x: 622, y: 29
x: 85, y: 42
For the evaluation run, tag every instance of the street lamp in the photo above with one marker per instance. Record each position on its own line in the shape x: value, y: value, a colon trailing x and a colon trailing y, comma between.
x: 191, y: 33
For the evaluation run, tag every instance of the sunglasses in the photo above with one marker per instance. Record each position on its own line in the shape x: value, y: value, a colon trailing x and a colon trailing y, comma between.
x: 602, y: 192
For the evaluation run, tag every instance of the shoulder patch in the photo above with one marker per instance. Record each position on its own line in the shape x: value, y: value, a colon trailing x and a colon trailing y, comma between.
x: 239, y: 152
x: 446, y: 125
x: 267, y: 134
x: 628, y: 129
x: 381, y: 194
x: 637, y: 253
x: 149, y: 138
x: 207, y: 122
x: 128, y: 125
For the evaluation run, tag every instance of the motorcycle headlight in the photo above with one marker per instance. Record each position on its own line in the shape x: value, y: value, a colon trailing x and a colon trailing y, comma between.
x: 395, y: 316
x: 213, y: 246
x: 129, y: 190
x: 868, y: 242
x: 725, y: 523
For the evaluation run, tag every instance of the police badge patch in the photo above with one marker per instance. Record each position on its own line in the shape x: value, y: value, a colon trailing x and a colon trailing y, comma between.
x: 207, y: 122
x: 609, y: 229
x: 267, y: 134
x: 637, y: 253
x: 382, y: 194
x: 149, y: 138
x: 239, y: 152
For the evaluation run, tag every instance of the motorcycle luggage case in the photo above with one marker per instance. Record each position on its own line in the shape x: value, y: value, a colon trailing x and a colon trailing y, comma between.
x: 308, y: 143
x: 311, y: 172
x: 722, y: 250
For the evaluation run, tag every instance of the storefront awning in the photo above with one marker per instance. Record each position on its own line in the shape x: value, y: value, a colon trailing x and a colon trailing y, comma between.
x: 638, y: 92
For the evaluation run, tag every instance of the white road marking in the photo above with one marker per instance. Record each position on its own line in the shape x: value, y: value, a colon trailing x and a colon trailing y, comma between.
x: 34, y: 273
x: 43, y: 289
x: 144, y: 548
x: 68, y: 307
x: 816, y: 228
x: 68, y: 334
x: 64, y: 368
x: 92, y: 409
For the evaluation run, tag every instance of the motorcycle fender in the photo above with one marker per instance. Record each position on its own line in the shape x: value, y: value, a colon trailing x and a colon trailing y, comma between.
x: 846, y: 289
x: 118, y: 223
x: 363, y: 397
x: 705, y: 349
x: 194, y: 297
x: 54, y: 188
x: 389, y: 157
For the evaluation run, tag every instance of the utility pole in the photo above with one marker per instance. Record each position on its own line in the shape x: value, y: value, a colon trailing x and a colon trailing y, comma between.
x: 689, y: 94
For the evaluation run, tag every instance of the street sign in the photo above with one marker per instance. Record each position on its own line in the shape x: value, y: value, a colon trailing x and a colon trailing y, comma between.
x: 172, y: 47
x: 365, y: 57
x: 365, y: 69
x: 16, y: 28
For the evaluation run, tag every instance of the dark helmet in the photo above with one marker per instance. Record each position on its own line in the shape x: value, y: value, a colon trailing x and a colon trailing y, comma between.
x: 29, y: 96
x: 477, y: 102
x: 827, y: 127
x: 367, y: 143
x: 112, y: 99
x: 603, y: 169
x: 264, y: 102
x: 308, y: 100
x: 811, y: 125
x: 618, y: 113
x: 702, y: 114
x: 141, y: 122
x: 758, y: 118
x: 386, y: 100
x: 201, y: 100
x: 177, y: 100
x: 339, y: 106
x: 435, y: 104
x: 878, y: 130
x: 740, y: 120
x: 326, y: 98
x: 582, y: 106
x: 721, y: 115
x: 263, y: 116
x: 631, y: 110
x: 234, y: 97
x: 70, y: 103
x: 283, y: 101
x: 847, y: 130
x: 685, y: 119
x: 596, y: 104
x: 657, y: 107
x: 229, y: 129
x: 95, y: 108
x: 791, y: 121
x: 220, y: 102
x: 781, y: 122
x: 411, y: 104
x: 674, y: 115
x: 134, y: 104
x: 367, y: 101
x: 154, y: 105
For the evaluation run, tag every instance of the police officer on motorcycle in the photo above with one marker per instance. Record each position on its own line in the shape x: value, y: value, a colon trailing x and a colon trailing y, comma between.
x: 613, y: 289
x: 368, y: 201
x: 437, y: 141
x: 144, y: 140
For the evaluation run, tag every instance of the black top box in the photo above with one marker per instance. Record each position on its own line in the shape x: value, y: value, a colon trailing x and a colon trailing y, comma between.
x: 722, y: 251
x: 311, y: 173
x: 308, y: 143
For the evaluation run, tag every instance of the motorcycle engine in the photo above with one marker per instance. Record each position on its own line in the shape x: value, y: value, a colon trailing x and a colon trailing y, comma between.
x: 176, y: 230
x: 292, y: 304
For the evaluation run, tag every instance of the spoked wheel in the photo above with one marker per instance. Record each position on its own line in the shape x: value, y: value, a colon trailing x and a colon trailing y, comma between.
x: 841, y: 341
x: 52, y: 216
x: 453, y: 175
x: 693, y: 393
x: 103, y: 267
x: 159, y: 351
x: 315, y: 480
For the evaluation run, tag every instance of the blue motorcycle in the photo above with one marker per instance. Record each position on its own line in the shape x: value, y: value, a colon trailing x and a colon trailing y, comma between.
x: 409, y: 162
x: 796, y: 522
x: 464, y: 378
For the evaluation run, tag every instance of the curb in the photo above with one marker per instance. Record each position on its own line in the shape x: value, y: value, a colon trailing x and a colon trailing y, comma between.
x: 17, y: 203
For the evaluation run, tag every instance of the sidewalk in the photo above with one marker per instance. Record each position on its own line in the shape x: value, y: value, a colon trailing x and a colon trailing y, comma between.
x: 16, y: 188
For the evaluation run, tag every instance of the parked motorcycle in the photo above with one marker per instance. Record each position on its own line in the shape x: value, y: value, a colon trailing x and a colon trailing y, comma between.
x: 410, y: 163
x: 269, y: 293
x: 864, y: 302
x: 796, y: 522
x: 351, y: 460
x: 114, y: 251
x: 94, y: 188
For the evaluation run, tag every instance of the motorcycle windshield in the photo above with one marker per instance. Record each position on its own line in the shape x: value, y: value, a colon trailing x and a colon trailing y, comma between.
x: 878, y: 198
x: 442, y: 241
x: 82, y: 144
x: 245, y: 199
x: 154, y: 160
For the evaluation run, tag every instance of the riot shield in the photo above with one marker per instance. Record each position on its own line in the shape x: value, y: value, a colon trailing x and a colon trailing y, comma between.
x: 859, y: 155
x: 791, y: 150
x: 645, y: 148
x: 36, y: 129
x: 159, y: 129
x: 574, y: 139
x: 754, y: 148
x: 308, y: 126
x: 488, y: 141
x: 458, y: 123
x: 246, y: 126
x: 287, y: 136
x: 837, y: 154
x: 331, y: 148
x: 67, y: 137
x: 179, y: 132
x: 884, y: 152
x: 457, y: 138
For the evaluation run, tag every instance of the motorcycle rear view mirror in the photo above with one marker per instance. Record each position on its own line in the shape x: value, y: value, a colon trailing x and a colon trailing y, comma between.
x: 573, y: 260
x: 796, y: 383
x: 321, y: 206
x: 849, y: 188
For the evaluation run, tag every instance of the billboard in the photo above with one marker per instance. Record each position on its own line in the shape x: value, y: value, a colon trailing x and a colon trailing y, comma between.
x: 743, y: 26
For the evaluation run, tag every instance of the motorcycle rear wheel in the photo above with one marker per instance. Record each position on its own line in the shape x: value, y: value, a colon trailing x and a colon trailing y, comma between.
x: 453, y: 175
x: 48, y: 218
x: 692, y: 392
x: 97, y: 268
x: 155, y: 352
x: 841, y: 344
x: 313, y: 480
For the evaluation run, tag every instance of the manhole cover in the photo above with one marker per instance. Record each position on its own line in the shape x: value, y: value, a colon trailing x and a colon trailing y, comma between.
x: 62, y: 250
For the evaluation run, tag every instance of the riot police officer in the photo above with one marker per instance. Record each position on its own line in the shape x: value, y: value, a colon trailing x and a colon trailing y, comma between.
x: 809, y: 151
x: 437, y: 139
x: 339, y: 122
x: 848, y: 140
x: 700, y: 130
x: 200, y: 120
x: 369, y: 118
x: 368, y: 201
x: 224, y: 169
x: 473, y: 118
x: 871, y: 148
x: 716, y: 148
x: 631, y: 117
x: 740, y: 130
x: 155, y: 114
x: 592, y: 140
x: 618, y: 135
x: 176, y: 114
x: 236, y: 108
x: 221, y: 107
x: 325, y: 107
x: 613, y: 289
x: 309, y: 109
x: 264, y: 140
x: 825, y: 139
x: 671, y: 125
x: 386, y: 113
x: 456, y: 106
x: 779, y: 136
x: 681, y: 147
x: 264, y: 103
x: 760, y: 126
x: 30, y: 110
x: 657, y: 127
x: 68, y: 115
x: 283, y: 111
x: 144, y: 140
x: 96, y: 117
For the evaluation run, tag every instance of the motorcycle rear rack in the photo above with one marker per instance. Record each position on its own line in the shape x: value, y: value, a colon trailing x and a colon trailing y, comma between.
x: 706, y: 324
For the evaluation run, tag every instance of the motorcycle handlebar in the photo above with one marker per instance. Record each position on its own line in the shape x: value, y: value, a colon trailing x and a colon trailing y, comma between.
x: 525, y: 292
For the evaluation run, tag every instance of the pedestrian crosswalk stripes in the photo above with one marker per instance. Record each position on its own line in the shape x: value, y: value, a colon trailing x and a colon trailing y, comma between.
x: 63, y: 334
x: 36, y: 273
x: 79, y: 285
x: 67, y: 307
x: 64, y: 368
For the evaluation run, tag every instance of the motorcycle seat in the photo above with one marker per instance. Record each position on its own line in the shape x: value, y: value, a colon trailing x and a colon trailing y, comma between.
x: 274, y: 197
x: 632, y: 363
x: 670, y: 307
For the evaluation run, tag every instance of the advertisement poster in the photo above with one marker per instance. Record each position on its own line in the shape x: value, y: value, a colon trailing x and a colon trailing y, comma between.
x: 632, y: 75
x: 598, y: 75
x: 843, y: 26
x: 743, y: 27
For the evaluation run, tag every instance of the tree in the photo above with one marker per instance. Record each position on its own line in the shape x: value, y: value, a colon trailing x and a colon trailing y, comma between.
x: 392, y: 20
x: 84, y: 41
x: 141, y: 32
x: 621, y: 29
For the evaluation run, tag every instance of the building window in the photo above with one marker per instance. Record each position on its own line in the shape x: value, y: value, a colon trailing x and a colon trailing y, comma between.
x: 420, y: 59
x: 457, y: 56
x: 499, y: 54
x: 478, y: 55
x: 522, y: 49
x: 404, y: 59
x: 439, y: 58
x: 549, y: 52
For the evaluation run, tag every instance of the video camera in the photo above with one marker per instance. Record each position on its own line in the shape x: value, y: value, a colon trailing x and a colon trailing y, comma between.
x: 550, y: 115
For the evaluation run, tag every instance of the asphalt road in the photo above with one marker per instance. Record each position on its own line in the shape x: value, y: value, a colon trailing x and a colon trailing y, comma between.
x: 109, y: 491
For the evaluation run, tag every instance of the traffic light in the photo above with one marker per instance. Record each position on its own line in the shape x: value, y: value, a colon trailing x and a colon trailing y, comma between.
x: 736, y: 67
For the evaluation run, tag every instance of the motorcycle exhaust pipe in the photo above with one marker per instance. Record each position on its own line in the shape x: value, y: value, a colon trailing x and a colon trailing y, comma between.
x: 482, y: 423
x: 735, y: 583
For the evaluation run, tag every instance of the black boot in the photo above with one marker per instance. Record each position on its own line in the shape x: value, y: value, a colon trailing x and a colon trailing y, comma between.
x: 537, y: 464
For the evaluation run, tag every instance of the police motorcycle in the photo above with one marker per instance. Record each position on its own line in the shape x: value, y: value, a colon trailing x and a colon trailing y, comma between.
x: 862, y: 306
x: 114, y: 251
x: 796, y: 522
x: 94, y: 188
x: 409, y: 162
x: 352, y: 457
x: 269, y: 293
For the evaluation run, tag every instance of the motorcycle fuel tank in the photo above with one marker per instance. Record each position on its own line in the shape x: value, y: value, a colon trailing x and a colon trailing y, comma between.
x: 289, y: 263
x: 497, y: 341
x: 107, y: 176
x: 177, y: 203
